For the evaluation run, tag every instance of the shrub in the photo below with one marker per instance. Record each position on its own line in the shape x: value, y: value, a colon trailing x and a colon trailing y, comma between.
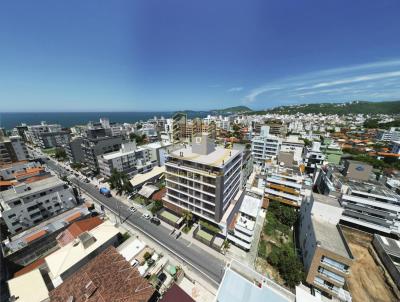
x: 157, y: 206
x: 289, y: 266
x: 209, y: 227
x: 147, y: 256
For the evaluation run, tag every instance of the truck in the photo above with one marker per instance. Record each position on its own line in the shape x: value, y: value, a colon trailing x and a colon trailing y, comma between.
x: 104, y: 191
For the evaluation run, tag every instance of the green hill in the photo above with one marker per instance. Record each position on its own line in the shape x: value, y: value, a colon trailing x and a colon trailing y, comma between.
x: 235, y: 109
x: 339, y: 108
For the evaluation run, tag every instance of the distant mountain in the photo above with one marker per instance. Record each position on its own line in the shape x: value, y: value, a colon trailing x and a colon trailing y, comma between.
x: 355, y: 107
x: 236, y: 109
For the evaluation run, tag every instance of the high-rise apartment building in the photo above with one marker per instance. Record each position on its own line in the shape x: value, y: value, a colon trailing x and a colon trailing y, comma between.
x: 202, y: 178
x: 326, y: 256
x: 265, y: 146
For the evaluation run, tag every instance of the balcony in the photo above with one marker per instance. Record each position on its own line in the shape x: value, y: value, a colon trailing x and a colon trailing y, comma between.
x: 334, y: 264
x: 331, y: 276
x: 282, y: 200
x: 283, y: 189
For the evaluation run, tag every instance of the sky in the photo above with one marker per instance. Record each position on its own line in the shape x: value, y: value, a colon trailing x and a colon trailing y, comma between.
x: 169, y: 55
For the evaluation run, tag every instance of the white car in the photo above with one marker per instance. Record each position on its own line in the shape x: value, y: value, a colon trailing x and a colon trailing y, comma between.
x: 146, y: 216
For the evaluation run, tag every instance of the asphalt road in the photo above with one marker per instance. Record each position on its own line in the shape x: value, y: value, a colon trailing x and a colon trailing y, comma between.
x: 200, y: 260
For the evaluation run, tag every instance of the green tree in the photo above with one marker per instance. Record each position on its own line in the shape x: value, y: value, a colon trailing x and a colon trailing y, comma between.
x: 286, y: 215
x: 60, y: 154
x: 289, y: 266
x: 139, y: 139
x: 307, y: 142
x: 119, y: 181
x: 157, y: 206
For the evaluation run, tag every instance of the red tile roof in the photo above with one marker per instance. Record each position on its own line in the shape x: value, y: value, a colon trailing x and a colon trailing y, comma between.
x: 159, y: 194
x: 108, y: 277
x: 175, y: 294
x: 35, y: 236
x: 30, y: 267
x: 73, y: 217
x: 28, y: 172
x: 77, y: 228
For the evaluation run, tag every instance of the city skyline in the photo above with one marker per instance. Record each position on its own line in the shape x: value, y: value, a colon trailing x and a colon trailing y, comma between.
x: 156, y: 56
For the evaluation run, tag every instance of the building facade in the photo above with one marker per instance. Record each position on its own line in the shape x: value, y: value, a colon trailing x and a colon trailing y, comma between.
x: 129, y: 159
x: 12, y: 149
x: 27, y: 204
x: 265, y: 146
x: 202, y: 178
x: 326, y: 256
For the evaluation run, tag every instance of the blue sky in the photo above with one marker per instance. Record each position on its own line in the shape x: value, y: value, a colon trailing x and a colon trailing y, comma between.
x: 169, y: 55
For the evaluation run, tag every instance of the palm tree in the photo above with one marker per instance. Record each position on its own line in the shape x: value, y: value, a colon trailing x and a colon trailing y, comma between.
x: 120, y: 182
x: 187, y: 216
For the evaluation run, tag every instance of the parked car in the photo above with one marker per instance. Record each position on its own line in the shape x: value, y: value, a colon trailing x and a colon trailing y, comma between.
x: 155, y: 220
x: 146, y: 216
x: 132, y: 209
x: 104, y: 191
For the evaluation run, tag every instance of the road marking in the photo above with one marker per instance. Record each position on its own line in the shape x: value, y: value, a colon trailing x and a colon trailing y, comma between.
x: 190, y: 243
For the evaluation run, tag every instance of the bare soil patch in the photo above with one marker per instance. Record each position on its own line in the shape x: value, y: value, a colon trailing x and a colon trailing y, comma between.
x: 367, y: 281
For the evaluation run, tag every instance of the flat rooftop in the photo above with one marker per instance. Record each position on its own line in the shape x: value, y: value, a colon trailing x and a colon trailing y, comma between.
x: 36, y: 186
x: 329, y: 237
x: 29, y: 287
x: 235, y: 288
x: 121, y: 152
x: 372, y: 187
x: 220, y: 157
x: 250, y: 206
x: 69, y: 255
x: 328, y: 200
x: 391, y: 247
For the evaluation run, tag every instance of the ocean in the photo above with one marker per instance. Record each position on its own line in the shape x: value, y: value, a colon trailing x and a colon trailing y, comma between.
x: 9, y: 120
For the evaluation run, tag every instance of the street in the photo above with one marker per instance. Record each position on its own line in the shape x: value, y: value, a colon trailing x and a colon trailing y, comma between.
x: 198, y: 259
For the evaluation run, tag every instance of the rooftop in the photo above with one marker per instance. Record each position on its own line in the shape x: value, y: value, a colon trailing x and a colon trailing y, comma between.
x: 175, y: 293
x: 329, y: 237
x: 372, y: 187
x: 142, y: 178
x: 29, y: 287
x: 108, y: 277
x: 391, y: 246
x: 218, y: 158
x: 77, y: 228
x: 121, y: 152
x: 244, y: 290
x: 328, y: 200
x: 36, y: 186
x: 67, y: 256
x: 250, y: 206
x: 48, y: 226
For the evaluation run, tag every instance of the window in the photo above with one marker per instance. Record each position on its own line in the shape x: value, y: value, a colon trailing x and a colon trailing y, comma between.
x: 17, y: 202
x: 11, y: 216
x: 15, y: 223
x: 35, y: 215
x: 42, y: 193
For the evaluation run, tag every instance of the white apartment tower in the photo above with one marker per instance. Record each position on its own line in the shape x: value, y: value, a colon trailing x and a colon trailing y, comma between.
x: 202, y: 178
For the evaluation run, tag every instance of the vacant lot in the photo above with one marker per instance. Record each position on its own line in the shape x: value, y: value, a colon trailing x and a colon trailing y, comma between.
x: 367, y: 281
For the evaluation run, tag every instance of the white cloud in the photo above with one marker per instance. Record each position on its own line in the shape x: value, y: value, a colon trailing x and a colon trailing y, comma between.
x: 365, y: 81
